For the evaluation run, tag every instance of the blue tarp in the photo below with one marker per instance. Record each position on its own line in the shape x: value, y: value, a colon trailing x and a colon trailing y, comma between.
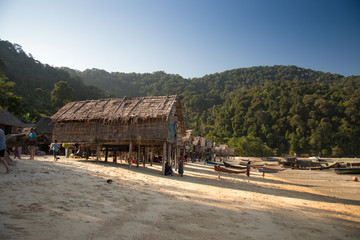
x: 172, y: 129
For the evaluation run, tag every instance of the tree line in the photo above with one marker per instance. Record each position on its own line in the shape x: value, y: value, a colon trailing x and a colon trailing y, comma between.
x: 261, y: 111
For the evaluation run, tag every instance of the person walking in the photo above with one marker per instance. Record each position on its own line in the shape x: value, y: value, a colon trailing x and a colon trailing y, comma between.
x: 248, y: 168
x: 32, y: 147
x: 181, y: 164
x: 2, y: 150
x: 55, y: 147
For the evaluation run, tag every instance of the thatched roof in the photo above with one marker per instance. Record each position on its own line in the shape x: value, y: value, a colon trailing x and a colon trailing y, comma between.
x: 187, y: 136
x: 44, y: 125
x: 7, y: 118
x: 121, y: 109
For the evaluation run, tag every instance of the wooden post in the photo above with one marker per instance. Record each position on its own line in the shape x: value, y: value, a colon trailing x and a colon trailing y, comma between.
x: 88, y: 152
x: 169, y: 155
x: 164, y: 158
x: 138, y: 156
x: 151, y: 156
x: 177, y: 154
x: 98, y: 150
x: 115, y: 156
x: 106, y: 153
x: 130, y: 153
x: 144, y: 157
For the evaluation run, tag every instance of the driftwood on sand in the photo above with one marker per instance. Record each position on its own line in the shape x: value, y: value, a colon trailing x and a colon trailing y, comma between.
x: 17, y: 140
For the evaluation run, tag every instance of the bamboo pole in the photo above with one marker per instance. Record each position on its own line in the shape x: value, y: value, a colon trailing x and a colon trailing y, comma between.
x: 151, y: 156
x: 130, y: 153
x: 164, y: 158
x: 138, y: 156
x: 106, y: 153
x: 169, y: 154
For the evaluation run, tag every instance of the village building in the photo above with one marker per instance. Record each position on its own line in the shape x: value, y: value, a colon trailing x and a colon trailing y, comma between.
x: 145, y: 125
x: 44, y: 126
x: 186, y: 144
x: 9, y: 123
x: 202, y: 147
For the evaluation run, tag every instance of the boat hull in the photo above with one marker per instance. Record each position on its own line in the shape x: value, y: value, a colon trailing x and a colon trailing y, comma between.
x: 227, y: 170
x: 350, y: 170
x: 214, y: 163
x: 266, y: 171
x: 229, y: 165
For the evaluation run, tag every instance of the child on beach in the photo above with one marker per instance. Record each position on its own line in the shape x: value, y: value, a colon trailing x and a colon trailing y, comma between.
x: 2, y: 150
x: 55, y: 147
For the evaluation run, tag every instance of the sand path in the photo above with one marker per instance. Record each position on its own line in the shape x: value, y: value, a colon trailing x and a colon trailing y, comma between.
x: 71, y: 199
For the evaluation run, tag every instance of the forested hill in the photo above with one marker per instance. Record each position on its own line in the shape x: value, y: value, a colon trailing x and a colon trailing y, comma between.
x: 39, y: 88
x: 274, y: 110
x: 260, y: 111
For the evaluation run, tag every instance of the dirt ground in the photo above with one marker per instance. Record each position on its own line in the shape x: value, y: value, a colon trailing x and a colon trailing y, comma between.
x: 72, y: 199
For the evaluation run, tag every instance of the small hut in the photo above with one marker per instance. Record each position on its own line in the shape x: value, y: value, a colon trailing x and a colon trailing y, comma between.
x: 44, y: 127
x: 9, y: 123
x: 123, y: 123
x: 187, y: 141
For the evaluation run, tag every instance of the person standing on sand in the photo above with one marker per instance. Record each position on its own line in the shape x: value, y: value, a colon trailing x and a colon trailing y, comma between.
x: 19, y: 148
x: 32, y: 147
x: 181, y: 165
x: 248, y: 169
x: 55, y: 147
x: 2, y: 150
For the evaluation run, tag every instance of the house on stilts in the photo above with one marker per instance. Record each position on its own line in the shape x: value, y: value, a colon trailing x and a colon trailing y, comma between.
x: 144, y: 125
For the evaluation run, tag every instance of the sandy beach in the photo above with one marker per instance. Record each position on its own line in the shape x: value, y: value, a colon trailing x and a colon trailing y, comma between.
x: 71, y: 199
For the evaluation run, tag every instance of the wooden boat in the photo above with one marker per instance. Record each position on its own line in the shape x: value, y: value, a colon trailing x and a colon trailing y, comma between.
x: 319, y: 167
x: 348, y: 170
x: 229, y: 165
x: 214, y: 163
x: 266, y: 171
x: 270, y: 159
x: 227, y: 170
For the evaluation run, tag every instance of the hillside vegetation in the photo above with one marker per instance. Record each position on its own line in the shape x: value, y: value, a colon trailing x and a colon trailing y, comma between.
x: 260, y: 111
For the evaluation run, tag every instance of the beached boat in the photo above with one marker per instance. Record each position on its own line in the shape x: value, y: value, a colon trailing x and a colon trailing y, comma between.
x: 269, y: 159
x: 266, y: 170
x: 227, y: 170
x: 229, y: 165
x: 348, y: 170
x: 214, y: 163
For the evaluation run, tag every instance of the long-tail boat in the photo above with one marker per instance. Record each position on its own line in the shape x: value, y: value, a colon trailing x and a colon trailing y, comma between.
x: 227, y: 170
x: 348, y: 170
x: 267, y: 170
x: 214, y: 163
x: 229, y: 165
x: 269, y: 159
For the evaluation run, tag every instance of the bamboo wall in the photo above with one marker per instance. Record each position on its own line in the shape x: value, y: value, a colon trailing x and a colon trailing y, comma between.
x: 112, y: 134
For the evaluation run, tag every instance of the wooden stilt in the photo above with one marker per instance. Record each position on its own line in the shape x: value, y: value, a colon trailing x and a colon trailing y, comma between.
x: 106, y: 153
x: 98, y: 151
x: 144, y: 156
x: 130, y: 153
x: 176, y: 157
x: 169, y: 154
x: 138, y: 156
x: 151, y: 156
x: 164, y: 158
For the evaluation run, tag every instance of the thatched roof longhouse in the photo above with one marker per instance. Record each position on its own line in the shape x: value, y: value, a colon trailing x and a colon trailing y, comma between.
x: 117, y: 120
x: 117, y: 109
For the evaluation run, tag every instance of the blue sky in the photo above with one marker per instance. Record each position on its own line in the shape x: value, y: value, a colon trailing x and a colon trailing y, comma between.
x: 191, y: 38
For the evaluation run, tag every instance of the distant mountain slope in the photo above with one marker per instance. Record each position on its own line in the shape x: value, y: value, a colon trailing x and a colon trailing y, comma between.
x: 35, y: 81
x: 265, y: 110
x: 280, y: 109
